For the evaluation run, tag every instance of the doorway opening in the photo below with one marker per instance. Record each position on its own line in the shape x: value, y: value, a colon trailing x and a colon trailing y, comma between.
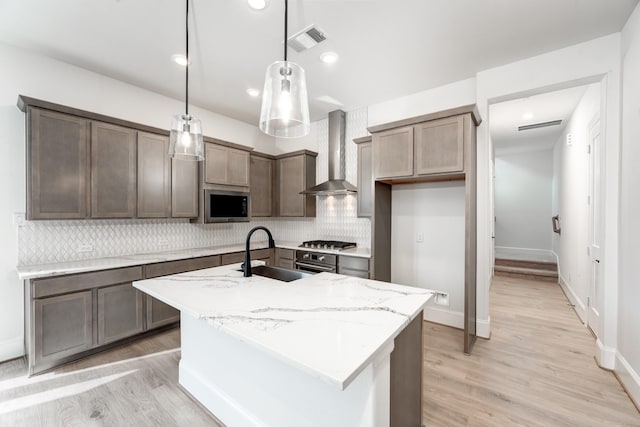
x: 547, y: 192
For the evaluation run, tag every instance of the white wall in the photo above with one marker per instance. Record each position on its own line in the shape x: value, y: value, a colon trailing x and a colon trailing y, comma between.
x: 428, y: 101
x: 436, y: 212
x: 523, y: 200
x: 628, y: 357
x: 571, y: 182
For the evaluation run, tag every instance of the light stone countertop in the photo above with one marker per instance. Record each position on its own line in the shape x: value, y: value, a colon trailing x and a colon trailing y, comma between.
x: 82, y: 266
x: 328, y: 325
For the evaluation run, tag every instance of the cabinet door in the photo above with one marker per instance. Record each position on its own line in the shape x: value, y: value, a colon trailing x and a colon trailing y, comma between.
x: 365, y: 180
x: 440, y: 146
x: 154, y: 176
x: 238, y: 168
x: 393, y: 153
x: 184, y: 188
x: 57, y: 165
x: 63, y: 326
x: 113, y: 171
x: 159, y: 313
x: 119, y: 312
x: 261, y: 186
x: 291, y: 181
x: 215, y: 164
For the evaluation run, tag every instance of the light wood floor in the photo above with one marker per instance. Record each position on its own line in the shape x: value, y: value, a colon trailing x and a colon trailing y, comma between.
x: 537, y: 370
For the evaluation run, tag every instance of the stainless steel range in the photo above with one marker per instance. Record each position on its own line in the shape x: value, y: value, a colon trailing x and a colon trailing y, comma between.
x: 317, y: 262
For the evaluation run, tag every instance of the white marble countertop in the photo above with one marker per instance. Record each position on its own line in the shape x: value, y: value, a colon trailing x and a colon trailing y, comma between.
x: 82, y: 266
x: 329, y: 325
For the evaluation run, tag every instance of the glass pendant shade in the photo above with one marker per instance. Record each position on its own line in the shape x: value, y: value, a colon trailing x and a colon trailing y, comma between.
x: 185, y: 140
x: 285, y: 107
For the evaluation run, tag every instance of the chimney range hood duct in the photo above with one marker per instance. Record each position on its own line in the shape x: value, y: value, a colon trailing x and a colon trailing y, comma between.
x: 337, y: 184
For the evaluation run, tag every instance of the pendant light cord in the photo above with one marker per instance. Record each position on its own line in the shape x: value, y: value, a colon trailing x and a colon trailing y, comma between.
x: 186, y: 83
x: 286, y: 19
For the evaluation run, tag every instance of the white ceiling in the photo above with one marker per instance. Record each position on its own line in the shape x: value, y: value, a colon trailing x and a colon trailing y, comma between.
x: 505, y: 117
x: 387, y: 48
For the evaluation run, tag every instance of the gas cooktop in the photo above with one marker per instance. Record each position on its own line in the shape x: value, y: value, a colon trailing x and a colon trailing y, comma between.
x: 328, y: 244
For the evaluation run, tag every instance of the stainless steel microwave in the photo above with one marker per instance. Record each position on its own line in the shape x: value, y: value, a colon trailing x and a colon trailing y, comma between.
x: 226, y: 206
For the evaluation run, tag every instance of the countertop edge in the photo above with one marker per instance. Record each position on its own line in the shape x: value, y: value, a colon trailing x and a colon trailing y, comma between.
x: 37, y: 271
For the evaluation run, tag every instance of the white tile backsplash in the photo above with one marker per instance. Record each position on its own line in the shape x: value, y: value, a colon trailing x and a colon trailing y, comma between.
x: 41, y: 242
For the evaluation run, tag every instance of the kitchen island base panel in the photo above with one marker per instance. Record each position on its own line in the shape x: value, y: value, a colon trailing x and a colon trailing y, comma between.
x: 241, y: 385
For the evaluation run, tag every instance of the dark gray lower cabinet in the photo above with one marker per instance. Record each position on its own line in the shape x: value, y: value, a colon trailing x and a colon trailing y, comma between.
x: 285, y: 258
x: 267, y: 255
x: 63, y: 326
x: 119, y: 313
x: 159, y: 313
x: 353, y: 266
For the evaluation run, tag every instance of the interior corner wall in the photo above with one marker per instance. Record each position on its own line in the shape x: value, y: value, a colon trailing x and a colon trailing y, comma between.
x: 628, y: 356
x: 588, y: 62
x: 44, y: 78
x: 428, y: 243
x: 571, y: 177
x: 523, y: 200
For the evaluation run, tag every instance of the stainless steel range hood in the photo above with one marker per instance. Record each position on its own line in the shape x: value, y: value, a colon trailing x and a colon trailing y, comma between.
x: 337, y: 184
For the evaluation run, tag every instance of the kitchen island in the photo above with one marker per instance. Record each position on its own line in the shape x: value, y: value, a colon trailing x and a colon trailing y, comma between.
x: 325, y: 350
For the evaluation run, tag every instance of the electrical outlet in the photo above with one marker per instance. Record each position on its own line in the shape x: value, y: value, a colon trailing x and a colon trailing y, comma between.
x: 87, y: 247
x: 18, y: 219
x: 163, y: 242
x: 420, y: 238
x: 442, y: 299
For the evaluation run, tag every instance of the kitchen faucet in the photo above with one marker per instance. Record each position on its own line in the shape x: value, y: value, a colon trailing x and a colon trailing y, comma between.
x: 246, y: 266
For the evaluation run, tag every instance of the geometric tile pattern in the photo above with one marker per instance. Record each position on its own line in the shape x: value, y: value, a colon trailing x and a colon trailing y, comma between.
x: 41, y: 242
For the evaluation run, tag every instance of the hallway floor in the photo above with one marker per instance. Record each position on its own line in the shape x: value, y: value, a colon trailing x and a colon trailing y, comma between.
x: 537, y: 369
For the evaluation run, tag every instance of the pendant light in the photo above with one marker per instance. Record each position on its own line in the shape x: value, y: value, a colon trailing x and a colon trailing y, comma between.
x: 185, y: 140
x: 285, y: 108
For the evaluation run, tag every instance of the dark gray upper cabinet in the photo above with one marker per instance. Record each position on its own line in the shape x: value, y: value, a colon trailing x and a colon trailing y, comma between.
x: 261, y: 184
x: 184, y: 188
x: 365, y: 177
x: 57, y: 165
x: 226, y: 165
x: 113, y: 171
x: 154, y: 176
x: 296, y: 173
x: 440, y: 146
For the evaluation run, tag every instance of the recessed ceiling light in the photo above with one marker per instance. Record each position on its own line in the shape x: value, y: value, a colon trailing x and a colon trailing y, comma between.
x: 253, y: 92
x: 257, y: 4
x: 329, y: 57
x: 527, y: 116
x: 179, y: 59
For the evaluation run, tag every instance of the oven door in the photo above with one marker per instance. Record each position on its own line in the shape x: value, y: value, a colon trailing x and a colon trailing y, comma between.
x: 314, y: 268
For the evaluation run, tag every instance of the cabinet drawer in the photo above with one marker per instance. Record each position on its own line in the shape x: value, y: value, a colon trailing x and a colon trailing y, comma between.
x: 355, y: 273
x: 354, y: 263
x: 180, y: 266
x: 232, y: 258
x: 79, y: 282
x: 235, y: 257
x: 285, y: 253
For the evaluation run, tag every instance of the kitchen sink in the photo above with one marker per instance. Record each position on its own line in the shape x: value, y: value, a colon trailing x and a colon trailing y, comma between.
x: 278, y: 273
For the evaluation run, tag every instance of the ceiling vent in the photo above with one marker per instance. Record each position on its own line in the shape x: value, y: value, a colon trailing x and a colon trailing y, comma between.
x: 306, y: 38
x: 539, y: 125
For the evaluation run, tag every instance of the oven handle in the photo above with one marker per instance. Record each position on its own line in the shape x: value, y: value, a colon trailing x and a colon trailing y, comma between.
x: 315, y: 267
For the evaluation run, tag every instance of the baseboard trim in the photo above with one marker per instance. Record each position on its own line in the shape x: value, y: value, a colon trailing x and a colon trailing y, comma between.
x: 573, y: 298
x: 483, y: 328
x: 629, y: 379
x: 605, y: 356
x: 11, y: 348
x: 454, y: 319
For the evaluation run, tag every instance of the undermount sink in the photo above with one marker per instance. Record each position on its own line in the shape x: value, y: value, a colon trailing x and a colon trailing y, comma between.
x: 278, y: 273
